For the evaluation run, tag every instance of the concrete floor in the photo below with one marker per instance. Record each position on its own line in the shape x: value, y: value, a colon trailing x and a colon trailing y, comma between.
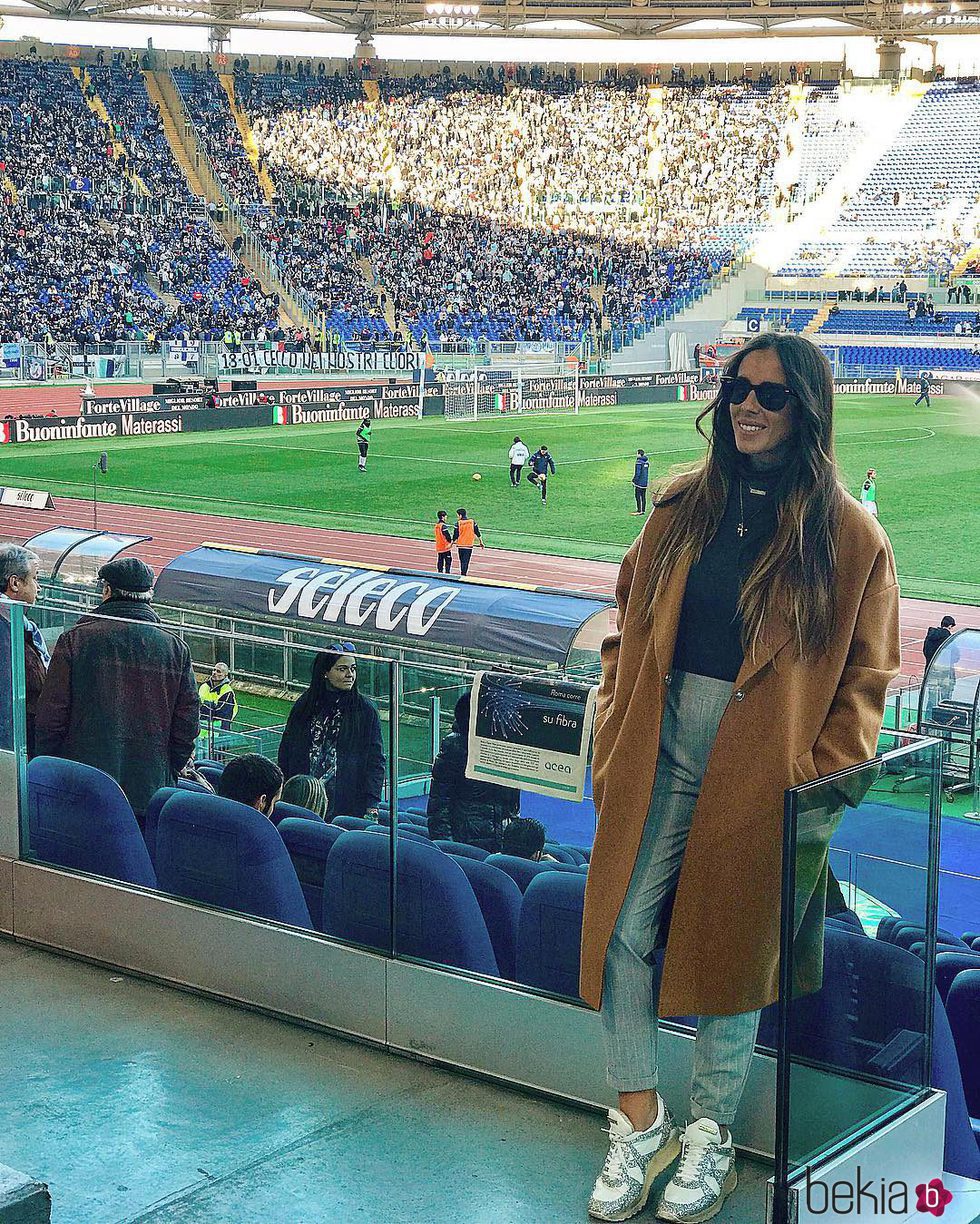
x: 135, y: 1102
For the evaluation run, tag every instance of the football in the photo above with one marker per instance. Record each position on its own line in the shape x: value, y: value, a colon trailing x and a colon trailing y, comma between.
x: 477, y: 476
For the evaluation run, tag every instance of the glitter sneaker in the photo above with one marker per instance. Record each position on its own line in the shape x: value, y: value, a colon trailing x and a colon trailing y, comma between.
x: 634, y: 1161
x: 703, y: 1179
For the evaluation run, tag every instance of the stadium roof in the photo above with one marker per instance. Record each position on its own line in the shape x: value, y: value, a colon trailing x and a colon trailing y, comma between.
x: 888, y: 19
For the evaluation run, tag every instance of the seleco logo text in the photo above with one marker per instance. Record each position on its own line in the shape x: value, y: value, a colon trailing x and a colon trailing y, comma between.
x: 354, y: 598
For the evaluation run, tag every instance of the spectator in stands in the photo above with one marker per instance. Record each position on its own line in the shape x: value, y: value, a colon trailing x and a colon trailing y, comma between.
x: 334, y: 734
x: 19, y: 584
x: 120, y: 691
x: 219, y: 705
x: 460, y: 808
x: 936, y: 636
x: 525, y: 838
x: 788, y: 570
x: 903, y: 290
x: 308, y: 792
x: 253, y: 780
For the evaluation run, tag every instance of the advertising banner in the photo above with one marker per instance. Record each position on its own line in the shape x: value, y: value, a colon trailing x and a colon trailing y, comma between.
x: 532, y: 733
x: 99, y: 405
x: 32, y: 499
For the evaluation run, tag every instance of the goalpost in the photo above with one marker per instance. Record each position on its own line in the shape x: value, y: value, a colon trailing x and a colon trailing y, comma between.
x: 483, y: 393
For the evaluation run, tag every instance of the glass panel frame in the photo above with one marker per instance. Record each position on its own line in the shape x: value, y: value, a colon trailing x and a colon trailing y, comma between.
x: 871, y: 1083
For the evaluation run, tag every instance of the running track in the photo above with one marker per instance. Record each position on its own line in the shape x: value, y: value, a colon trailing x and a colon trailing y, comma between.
x: 174, y: 532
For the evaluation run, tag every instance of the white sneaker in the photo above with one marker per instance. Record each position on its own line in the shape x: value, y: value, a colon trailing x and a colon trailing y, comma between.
x: 704, y: 1178
x: 634, y: 1161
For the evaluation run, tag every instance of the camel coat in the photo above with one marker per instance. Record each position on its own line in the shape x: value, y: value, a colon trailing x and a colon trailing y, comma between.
x: 787, y: 722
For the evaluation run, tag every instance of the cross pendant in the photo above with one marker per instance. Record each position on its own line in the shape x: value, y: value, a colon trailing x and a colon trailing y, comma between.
x: 741, y: 530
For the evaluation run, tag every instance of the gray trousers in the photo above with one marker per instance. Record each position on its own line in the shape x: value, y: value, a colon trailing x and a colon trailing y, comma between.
x: 723, y: 1048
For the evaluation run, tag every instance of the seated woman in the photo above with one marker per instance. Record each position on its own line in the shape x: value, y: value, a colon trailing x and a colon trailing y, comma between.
x: 461, y: 809
x: 334, y: 734
x: 305, y: 791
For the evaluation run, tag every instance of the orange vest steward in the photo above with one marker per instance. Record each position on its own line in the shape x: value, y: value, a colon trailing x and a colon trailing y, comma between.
x: 442, y: 544
x: 467, y: 536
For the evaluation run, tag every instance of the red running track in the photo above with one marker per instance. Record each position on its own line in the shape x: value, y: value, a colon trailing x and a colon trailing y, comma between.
x: 175, y: 532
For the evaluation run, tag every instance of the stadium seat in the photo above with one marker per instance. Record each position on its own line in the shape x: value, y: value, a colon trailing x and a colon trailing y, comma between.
x: 550, y: 933
x: 499, y: 899
x: 560, y: 853
x: 521, y: 870
x: 437, y: 915
x: 963, y: 1009
x: 351, y: 822
x: 151, y: 817
x: 309, y: 843
x: 212, y: 770
x: 462, y: 849
x: 949, y: 965
x: 285, y: 811
x: 229, y: 855
x: 79, y: 818
x: 190, y: 785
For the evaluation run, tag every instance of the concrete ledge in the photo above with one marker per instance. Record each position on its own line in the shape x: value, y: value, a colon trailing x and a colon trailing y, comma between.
x: 23, y: 1200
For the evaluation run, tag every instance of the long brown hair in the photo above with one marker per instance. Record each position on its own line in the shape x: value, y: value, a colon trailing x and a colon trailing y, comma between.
x: 794, y: 577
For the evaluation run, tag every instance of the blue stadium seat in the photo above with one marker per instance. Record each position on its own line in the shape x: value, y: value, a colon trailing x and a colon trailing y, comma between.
x: 560, y: 853
x: 309, y: 843
x: 461, y: 849
x: 351, y: 822
x: 499, y: 899
x: 521, y: 870
x: 151, y: 817
x: 226, y: 854
x: 550, y: 933
x: 286, y: 811
x: 212, y: 770
x: 79, y: 818
x: 437, y: 915
x: 949, y: 965
x: 963, y: 1009
x: 190, y: 785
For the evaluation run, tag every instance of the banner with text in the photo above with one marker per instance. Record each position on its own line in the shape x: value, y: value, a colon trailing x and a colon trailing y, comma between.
x: 531, y: 733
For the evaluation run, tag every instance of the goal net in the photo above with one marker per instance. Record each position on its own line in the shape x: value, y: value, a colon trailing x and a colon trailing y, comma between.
x: 472, y: 394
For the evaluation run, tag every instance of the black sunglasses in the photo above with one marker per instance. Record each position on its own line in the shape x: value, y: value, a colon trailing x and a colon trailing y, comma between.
x: 772, y: 396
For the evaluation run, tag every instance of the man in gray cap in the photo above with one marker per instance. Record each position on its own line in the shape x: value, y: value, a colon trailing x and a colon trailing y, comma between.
x: 120, y: 693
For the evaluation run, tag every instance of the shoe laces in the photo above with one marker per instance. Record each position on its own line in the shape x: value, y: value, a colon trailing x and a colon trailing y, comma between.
x: 618, y: 1157
x: 690, y: 1161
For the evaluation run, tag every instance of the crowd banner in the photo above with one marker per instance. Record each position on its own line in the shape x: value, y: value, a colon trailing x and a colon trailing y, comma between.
x: 532, y: 733
x: 30, y: 499
x: 274, y: 357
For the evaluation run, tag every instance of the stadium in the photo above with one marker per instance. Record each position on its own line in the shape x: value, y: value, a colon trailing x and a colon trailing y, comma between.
x: 490, y: 611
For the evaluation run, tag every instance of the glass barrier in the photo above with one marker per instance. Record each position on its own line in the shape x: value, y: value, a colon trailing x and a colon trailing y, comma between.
x: 489, y: 877
x: 853, y: 1028
x: 13, y: 706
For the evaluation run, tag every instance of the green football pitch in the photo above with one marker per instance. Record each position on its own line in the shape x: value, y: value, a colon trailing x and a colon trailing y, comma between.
x: 928, y: 464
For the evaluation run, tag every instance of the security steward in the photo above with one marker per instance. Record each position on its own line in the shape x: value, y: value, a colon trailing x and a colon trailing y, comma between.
x: 219, y: 705
x: 444, y: 543
x: 466, y: 535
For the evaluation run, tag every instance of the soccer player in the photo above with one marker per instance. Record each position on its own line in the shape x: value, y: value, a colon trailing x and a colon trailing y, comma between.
x: 641, y: 480
x: 465, y: 536
x: 444, y: 544
x: 518, y: 456
x: 541, y: 463
x: 869, y: 493
x: 363, y: 442
x: 923, y: 390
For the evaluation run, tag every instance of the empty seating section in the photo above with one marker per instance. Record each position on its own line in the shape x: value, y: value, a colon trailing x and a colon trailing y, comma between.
x: 880, y: 322
x: 886, y: 359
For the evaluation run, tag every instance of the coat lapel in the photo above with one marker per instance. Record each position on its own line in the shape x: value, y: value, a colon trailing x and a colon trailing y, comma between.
x: 778, y: 635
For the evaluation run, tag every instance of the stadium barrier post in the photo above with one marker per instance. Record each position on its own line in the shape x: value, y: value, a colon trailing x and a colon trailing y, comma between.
x: 476, y: 394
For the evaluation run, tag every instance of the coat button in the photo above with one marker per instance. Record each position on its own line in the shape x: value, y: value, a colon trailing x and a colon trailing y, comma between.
x: 667, y: 678
x: 740, y: 695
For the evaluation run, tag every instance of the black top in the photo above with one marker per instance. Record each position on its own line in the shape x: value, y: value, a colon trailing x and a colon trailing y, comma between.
x: 709, y: 636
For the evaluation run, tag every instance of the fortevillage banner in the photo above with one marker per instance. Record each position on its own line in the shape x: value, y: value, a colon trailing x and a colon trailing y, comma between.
x: 106, y: 405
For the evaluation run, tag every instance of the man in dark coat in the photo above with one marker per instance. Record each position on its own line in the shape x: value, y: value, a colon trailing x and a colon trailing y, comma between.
x: 19, y: 584
x: 461, y: 809
x: 120, y: 692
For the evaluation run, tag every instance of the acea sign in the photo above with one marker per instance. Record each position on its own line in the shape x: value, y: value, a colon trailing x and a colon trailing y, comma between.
x: 350, y: 597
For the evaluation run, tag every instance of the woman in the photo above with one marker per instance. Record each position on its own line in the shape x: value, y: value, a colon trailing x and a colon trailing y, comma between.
x: 334, y: 734
x: 461, y: 809
x: 305, y: 791
x: 758, y: 632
